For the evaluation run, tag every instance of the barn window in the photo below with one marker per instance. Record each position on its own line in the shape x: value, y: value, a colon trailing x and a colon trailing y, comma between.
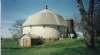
x: 44, y: 39
x: 58, y: 27
x: 55, y: 39
x: 26, y: 41
x: 50, y: 39
x: 44, y: 26
x: 30, y: 26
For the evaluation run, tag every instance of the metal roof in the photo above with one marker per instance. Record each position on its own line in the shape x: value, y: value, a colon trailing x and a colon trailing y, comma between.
x: 45, y: 17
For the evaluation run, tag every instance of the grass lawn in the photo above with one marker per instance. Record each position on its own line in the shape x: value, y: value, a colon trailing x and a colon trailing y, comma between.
x: 61, y: 47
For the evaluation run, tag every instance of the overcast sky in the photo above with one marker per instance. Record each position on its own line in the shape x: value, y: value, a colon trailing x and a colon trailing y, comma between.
x: 12, y: 10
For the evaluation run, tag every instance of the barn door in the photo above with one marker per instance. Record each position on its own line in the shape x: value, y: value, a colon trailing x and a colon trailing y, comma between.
x: 26, y: 42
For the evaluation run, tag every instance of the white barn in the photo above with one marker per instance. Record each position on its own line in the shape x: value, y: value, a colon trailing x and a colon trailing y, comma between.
x: 44, y: 24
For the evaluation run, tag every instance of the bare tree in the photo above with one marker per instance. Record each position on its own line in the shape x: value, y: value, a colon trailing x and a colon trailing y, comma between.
x: 16, y: 28
x: 87, y: 20
x: 77, y: 22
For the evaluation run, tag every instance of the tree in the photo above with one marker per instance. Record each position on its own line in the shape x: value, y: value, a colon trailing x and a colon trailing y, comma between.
x: 16, y: 29
x: 96, y: 23
x: 97, y: 18
x: 77, y: 22
x: 87, y: 21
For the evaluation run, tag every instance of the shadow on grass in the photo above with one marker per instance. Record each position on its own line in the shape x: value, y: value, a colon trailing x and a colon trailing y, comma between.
x: 11, y: 48
x: 18, y: 47
x: 78, y: 50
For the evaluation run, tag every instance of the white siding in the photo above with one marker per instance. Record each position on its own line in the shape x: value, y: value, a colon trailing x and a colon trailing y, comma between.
x: 46, y: 32
x: 26, y: 30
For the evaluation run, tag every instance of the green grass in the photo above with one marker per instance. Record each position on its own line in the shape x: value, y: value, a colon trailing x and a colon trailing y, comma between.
x: 61, y: 47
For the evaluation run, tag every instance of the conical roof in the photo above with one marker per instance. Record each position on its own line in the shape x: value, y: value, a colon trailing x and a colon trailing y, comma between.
x: 45, y: 17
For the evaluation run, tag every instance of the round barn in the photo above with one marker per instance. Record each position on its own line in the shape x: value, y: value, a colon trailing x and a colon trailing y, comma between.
x: 44, y: 25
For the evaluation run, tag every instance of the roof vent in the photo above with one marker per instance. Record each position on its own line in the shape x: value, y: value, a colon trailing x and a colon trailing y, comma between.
x: 45, y: 7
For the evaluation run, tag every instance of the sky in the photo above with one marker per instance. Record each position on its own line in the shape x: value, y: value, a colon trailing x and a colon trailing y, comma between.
x: 12, y: 10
